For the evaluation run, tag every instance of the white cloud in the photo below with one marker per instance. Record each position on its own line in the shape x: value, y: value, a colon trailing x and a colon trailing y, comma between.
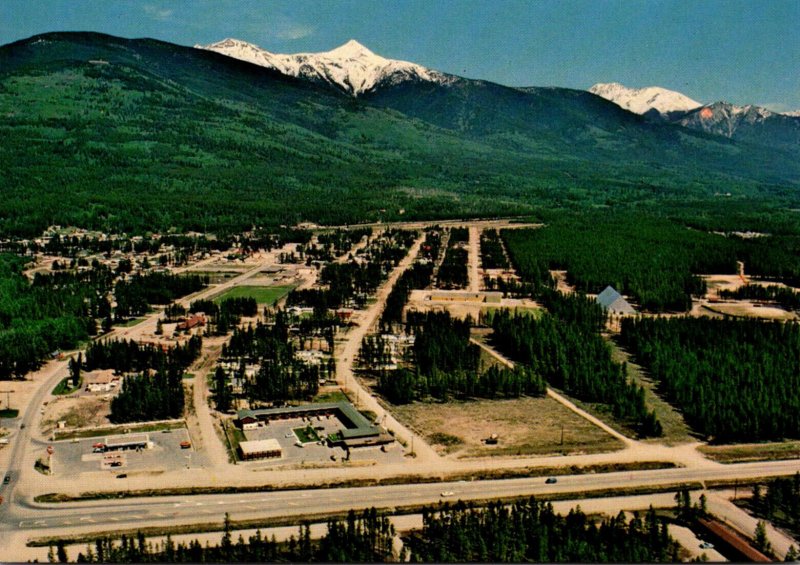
x: 294, y: 31
x: 156, y: 13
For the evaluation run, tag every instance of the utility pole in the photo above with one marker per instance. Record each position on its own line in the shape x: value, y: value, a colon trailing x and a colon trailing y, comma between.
x: 8, y: 397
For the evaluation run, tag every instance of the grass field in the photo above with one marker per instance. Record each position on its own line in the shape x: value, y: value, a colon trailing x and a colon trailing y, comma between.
x: 263, y: 294
x: 62, y: 387
x: 306, y: 435
x: 334, y: 396
x: 132, y: 322
x: 524, y: 426
x: 744, y: 452
x: 675, y: 428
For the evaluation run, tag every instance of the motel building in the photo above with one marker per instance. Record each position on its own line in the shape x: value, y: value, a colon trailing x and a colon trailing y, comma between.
x: 260, y: 449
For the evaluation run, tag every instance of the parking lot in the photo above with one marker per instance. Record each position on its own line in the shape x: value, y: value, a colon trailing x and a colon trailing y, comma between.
x: 283, y: 431
x: 75, y: 457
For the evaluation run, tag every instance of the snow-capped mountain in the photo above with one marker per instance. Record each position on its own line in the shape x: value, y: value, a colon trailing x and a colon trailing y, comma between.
x: 744, y: 123
x: 644, y: 100
x: 350, y: 67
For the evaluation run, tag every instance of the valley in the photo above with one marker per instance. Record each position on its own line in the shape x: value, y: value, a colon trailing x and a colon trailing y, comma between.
x: 386, y: 313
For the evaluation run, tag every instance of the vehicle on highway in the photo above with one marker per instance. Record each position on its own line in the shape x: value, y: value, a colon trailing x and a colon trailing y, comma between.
x: 122, y: 476
x: 706, y: 545
x: 551, y: 480
x: 447, y: 493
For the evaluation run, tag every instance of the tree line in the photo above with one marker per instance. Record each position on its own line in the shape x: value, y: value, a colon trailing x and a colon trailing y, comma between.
x: 417, y: 277
x: 446, y: 365
x: 786, y: 297
x: 226, y: 314
x: 492, y: 254
x: 135, y: 295
x: 56, y: 311
x: 364, y: 537
x: 779, y: 503
x: 530, y: 531
x: 734, y: 380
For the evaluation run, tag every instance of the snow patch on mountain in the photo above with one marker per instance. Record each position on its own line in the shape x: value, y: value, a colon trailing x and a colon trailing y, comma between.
x: 350, y: 67
x: 643, y: 100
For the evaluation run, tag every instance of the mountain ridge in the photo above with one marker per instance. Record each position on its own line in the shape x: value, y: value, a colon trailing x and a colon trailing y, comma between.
x: 126, y: 134
x: 351, y: 67
x: 643, y: 100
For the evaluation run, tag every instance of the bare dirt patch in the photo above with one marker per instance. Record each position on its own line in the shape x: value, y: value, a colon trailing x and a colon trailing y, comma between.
x: 77, y: 412
x: 524, y: 426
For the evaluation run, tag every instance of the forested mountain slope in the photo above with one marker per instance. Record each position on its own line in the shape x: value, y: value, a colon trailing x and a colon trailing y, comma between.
x: 135, y: 135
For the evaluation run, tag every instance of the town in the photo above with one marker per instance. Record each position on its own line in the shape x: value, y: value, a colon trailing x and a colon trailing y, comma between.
x: 336, y: 358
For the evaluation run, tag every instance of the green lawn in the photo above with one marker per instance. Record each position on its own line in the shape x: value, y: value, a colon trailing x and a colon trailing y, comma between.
x: 132, y: 322
x: 63, y: 388
x: 263, y: 294
x: 306, y: 435
x: 335, y: 396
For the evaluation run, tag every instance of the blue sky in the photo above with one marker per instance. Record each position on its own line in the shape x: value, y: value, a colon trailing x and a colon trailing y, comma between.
x: 741, y: 51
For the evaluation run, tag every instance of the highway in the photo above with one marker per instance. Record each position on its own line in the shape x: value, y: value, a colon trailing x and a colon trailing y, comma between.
x: 172, y: 510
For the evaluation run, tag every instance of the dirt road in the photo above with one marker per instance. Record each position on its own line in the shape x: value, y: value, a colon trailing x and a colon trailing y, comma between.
x: 474, y: 259
x: 347, y: 351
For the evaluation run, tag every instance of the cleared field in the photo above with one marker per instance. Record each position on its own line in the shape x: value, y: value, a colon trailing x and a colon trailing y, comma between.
x: 752, y: 451
x: 750, y: 310
x: 263, y: 294
x: 524, y: 426
x: 77, y: 412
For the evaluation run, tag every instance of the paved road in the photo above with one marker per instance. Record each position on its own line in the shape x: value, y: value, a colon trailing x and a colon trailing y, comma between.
x: 99, y: 515
x: 26, y: 442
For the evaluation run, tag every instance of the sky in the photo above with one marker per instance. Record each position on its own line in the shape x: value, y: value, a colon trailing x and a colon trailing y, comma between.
x: 740, y: 51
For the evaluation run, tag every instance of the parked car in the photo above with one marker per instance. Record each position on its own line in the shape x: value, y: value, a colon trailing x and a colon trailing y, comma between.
x: 7, y: 479
x: 186, y: 445
x: 122, y: 476
x: 706, y: 545
x: 447, y: 493
x: 551, y: 480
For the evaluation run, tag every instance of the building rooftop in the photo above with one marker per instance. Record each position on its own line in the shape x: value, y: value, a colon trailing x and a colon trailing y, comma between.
x: 613, y: 301
x: 354, y: 421
x: 127, y: 439
x: 259, y: 446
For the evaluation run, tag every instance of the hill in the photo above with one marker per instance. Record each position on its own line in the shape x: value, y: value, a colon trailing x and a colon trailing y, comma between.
x: 138, y: 134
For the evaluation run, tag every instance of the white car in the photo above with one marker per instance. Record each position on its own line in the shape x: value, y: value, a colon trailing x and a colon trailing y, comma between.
x: 447, y: 493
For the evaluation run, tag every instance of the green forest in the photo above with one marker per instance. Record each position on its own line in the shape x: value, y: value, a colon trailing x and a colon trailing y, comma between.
x: 56, y: 311
x: 446, y: 365
x: 734, y: 380
x: 779, y: 503
x: 565, y: 348
x: 653, y: 260
x: 530, y: 531
x: 365, y: 537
